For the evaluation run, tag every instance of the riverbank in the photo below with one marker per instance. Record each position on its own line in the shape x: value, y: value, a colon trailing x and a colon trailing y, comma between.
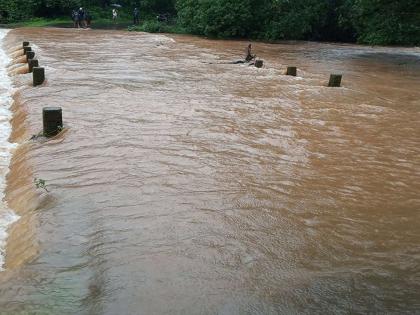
x: 368, y: 23
x: 67, y: 23
x: 154, y: 26
x: 149, y: 26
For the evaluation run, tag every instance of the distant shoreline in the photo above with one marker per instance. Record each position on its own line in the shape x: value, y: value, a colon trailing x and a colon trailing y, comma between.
x: 66, y: 23
x: 127, y: 25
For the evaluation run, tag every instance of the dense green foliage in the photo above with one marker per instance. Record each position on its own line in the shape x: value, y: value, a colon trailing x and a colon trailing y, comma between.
x: 366, y: 21
x: 390, y: 22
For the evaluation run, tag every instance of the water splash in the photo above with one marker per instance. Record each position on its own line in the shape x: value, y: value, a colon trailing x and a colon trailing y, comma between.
x: 7, y: 217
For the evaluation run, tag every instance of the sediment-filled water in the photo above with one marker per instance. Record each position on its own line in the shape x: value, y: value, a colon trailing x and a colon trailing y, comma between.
x: 185, y: 185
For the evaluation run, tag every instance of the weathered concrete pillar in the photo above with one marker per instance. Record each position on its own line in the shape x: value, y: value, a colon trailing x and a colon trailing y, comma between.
x: 52, y: 118
x: 38, y: 75
x: 335, y: 80
x: 24, y: 44
x: 259, y: 63
x: 291, y: 71
x: 32, y: 63
x: 26, y: 49
x: 30, y: 55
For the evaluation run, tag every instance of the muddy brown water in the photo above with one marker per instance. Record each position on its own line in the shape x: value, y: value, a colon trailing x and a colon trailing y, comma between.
x: 183, y: 185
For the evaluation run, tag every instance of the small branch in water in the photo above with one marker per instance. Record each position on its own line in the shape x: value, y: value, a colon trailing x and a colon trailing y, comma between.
x: 39, y: 135
x: 40, y: 183
x: 238, y: 62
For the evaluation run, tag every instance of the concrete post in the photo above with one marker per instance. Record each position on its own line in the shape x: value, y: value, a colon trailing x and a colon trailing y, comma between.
x: 38, y: 75
x: 335, y: 80
x: 259, y: 63
x: 291, y: 71
x: 26, y: 49
x: 52, y: 118
x: 30, y: 55
x: 32, y: 63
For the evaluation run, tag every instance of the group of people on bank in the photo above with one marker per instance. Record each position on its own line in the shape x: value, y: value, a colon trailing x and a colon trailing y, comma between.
x: 81, y: 18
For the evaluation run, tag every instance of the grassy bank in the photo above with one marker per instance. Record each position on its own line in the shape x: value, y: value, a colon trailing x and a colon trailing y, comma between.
x: 153, y: 26
x: 101, y: 23
x: 150, y: 25
x: 38, y: 22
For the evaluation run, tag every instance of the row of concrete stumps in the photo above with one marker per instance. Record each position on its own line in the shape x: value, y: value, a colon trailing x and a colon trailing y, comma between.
x: 335, y: 79
x: 52, y: 117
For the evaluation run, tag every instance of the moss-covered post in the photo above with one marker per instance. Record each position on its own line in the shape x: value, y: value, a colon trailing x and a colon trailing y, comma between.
x: 32, y: 63
x: 30, y: 55
x: 38, y: 75
x: 24, y: 44
x: 52, y: 118
x: 335, y: 80
x: 259, y: 63
x: 291, y: 71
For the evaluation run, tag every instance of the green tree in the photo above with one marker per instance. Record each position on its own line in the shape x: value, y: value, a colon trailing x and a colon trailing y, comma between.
x: 217, y: 18
x: 387, y: 21
x: 298, y: 19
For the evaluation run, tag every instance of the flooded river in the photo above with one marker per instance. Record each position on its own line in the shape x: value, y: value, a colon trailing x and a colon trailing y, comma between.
x: 185, y: 185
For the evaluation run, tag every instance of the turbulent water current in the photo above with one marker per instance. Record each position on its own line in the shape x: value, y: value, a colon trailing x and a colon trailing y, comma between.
x: 182, y: 184
x: 7, y: 217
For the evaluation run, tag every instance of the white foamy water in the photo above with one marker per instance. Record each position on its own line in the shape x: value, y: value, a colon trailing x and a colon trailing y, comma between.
x: 7, y: 216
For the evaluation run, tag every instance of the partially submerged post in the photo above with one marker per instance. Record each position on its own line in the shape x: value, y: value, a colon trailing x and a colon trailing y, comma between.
x: 32, y: 63
x: 291, y: 71
x: 24, y: 44
x: 38, y: 75
x: 335, y: 80
x: 26, y: 49
x: 30, y: 55
x: 52, y: 118
x: 259, y: 63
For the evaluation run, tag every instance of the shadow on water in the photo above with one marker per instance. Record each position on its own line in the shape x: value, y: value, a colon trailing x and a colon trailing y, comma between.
x: 391, y: 58
x: 97, y: 26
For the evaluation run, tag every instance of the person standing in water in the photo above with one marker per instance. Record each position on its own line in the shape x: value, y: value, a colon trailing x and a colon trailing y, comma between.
x: 136, y: 16
x: 249, y: 55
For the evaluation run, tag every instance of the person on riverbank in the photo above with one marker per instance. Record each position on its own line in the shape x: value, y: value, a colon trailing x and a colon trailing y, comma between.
x: 88, y: 18
x: 75, y: 18
x: 136, y: 16
x: 114, y: 15
x: 82, y: 17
